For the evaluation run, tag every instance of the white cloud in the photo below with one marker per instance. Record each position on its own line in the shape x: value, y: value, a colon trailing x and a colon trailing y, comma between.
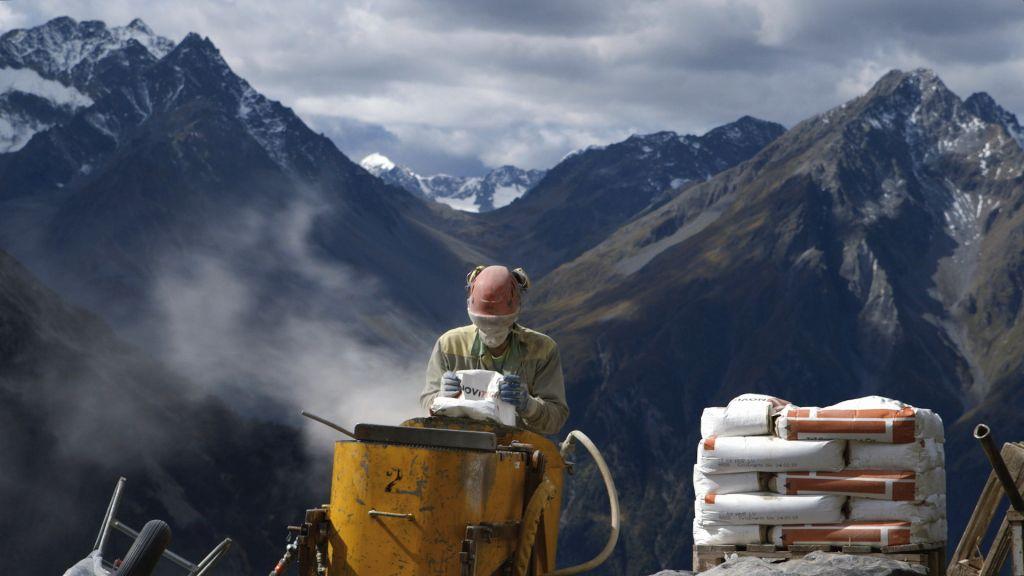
x: 219, y: 328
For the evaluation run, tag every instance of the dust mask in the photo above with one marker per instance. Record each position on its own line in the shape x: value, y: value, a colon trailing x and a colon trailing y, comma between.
x: 493, y: 329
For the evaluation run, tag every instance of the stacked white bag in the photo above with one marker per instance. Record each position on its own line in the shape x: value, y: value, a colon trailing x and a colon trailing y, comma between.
x: 866, y: 471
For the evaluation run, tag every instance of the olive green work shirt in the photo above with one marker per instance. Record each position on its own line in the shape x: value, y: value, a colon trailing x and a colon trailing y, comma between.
x: 531, y: 355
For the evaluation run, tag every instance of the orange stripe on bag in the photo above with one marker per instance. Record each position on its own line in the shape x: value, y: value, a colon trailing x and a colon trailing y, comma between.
x: 795, y: 485
x: 838, y: 414
x: 839, y: 426
x: 876, y: 533
x: 904, y: 491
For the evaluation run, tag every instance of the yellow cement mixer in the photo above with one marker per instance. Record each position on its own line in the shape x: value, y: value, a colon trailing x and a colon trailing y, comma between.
x: 442, y: 497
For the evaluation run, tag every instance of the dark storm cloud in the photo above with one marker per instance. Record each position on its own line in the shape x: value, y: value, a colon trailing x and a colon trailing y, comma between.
x: 462, y: 83
x: 531, y: 17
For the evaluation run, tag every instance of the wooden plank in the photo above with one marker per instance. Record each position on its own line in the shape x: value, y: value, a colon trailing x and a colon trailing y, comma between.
x: 1017, y: 544
x: 991, y: 495
x: 717, y: 548
x: 761, y: 547
x: 805, y: 548
x: 856, y: 549
x: 996, y: 556
x: 926, y: 546
x: 938, y: 568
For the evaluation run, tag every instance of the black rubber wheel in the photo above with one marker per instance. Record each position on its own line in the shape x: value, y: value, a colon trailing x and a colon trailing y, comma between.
x: 145, y: 552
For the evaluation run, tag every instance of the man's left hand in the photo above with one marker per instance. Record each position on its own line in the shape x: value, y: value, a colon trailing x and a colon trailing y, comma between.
x: 511, y: 390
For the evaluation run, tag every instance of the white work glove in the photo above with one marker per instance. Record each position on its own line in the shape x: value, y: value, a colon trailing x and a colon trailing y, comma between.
x: 451, y: 385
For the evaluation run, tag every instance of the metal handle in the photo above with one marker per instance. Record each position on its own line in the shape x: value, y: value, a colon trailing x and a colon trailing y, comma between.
x: 329, y: 424
x: 376, y: 513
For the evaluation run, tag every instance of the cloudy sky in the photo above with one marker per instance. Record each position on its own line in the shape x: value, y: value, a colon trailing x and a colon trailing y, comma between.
x: 460, y: 85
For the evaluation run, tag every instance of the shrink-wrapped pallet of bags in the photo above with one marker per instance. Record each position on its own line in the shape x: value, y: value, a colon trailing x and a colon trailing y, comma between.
x: 881, y: 458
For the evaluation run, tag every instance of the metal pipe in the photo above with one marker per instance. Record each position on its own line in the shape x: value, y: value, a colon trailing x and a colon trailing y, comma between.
x: 984, y: 435
x: 329, y: 424
x: 108, y: 518
x: 206, y: 564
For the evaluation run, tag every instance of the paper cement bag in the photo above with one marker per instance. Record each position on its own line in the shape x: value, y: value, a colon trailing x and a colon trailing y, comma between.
x: 727, y: 535
x: 767, y: 454
x: 876, y: 534
x: 918, y: 456
x: 931, y: 509
x: 900, y: 486
x: 768, y: 508
x: 478, y: 400
x: 739, y: 483
x: 868, y: 419
x: 746, y: 415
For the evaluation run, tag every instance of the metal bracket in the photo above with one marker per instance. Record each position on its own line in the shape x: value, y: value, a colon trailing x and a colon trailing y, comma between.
x: 483, y: 533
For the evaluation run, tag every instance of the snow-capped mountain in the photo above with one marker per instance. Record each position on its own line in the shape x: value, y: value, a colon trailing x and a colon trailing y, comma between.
x: 496, y: 189
x: 50, y: 72
x: 79, y: 54
x: 30, y: 103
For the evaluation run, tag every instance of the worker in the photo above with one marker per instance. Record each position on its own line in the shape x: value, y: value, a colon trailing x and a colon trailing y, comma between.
x: 532, y: 369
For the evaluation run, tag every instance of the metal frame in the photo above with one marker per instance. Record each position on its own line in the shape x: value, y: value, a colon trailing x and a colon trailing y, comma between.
x: 110, y: 522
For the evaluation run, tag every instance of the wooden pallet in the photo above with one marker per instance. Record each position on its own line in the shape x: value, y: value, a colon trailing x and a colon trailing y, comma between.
x: 932, y: 556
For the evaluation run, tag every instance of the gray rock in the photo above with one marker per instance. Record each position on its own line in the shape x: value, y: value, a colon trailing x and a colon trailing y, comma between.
x: 813, y: 564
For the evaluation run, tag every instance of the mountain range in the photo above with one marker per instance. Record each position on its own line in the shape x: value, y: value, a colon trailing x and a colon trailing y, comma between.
x: 872, y: 249
x: 150, y: 195
x: 496, y: 189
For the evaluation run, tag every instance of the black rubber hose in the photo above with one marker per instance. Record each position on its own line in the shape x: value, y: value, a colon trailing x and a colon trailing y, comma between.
x: 146, y: 551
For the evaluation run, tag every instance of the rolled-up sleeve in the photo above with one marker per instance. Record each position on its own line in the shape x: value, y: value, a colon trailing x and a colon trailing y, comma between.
x: 547, y: 410
x: 436, y: 367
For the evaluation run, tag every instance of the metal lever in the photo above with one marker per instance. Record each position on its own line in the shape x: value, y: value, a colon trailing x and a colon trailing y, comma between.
x: 376, y: 513
x: 329, y: 424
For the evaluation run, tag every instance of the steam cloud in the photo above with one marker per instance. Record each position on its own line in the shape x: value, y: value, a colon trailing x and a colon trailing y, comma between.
x: 303, y: 346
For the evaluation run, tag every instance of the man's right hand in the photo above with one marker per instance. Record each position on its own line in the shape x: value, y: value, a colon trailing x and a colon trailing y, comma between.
x: 451, y: 385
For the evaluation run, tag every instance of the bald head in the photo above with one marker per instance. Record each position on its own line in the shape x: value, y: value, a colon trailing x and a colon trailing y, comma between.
x: 494, y: 292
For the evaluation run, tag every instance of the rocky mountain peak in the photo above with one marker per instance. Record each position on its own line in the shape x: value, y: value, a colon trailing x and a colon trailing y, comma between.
x: 75, y: 53
x: 139, y: 26
x: 197, y: 51
x: 985, y: 107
